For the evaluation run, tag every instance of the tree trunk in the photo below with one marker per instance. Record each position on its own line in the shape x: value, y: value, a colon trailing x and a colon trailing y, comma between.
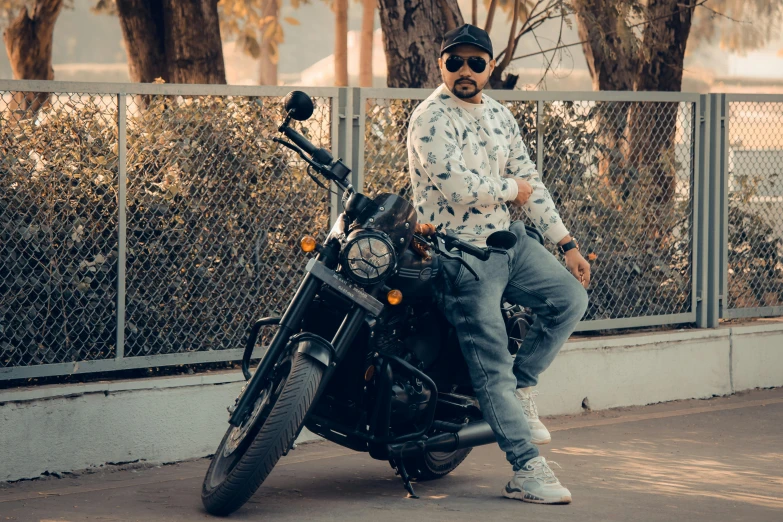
x: 268, y: 58
x: 365, y: 51
x: 341, y: 43
x: 142, y: 28
x: 28, y: 42
x: 664, y: 41
x: 490, y: 15
x: 510, y: 82
x: 653, y: 126
x: 609, y: 56
x: 194, y: 50
x: 412, y: 34
x: 612, y: 66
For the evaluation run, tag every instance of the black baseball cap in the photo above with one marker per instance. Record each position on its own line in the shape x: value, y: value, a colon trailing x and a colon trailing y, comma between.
x: 467, y: 35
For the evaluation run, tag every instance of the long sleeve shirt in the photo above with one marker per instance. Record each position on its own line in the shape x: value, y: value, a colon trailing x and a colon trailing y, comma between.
x: 461, y: 157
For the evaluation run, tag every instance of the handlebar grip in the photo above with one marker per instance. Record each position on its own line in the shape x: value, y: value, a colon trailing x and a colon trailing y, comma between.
x: 480, y: 253
x: 321, y: 156
x: 302, y: 142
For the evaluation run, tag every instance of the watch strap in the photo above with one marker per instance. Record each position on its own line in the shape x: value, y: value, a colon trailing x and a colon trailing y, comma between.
x: 569, y: 246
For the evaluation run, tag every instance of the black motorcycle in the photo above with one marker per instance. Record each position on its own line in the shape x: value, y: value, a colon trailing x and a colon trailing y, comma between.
x: 362, y: 356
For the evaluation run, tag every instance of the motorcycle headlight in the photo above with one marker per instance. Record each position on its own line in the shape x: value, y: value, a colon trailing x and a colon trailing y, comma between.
x: 368, y: 257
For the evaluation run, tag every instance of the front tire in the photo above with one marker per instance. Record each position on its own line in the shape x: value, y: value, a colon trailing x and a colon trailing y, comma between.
x: 239, y: 467
x: 434, y: 465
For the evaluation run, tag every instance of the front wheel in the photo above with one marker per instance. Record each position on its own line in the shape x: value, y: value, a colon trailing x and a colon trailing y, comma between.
x: 434, y: 465
x: 247, y: 453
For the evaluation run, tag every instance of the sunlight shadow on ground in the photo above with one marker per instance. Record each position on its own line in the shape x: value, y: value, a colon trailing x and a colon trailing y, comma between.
x: 643, y: 467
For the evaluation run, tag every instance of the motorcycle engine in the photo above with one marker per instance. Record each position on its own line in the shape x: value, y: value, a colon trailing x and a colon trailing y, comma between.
x: 409, y: 401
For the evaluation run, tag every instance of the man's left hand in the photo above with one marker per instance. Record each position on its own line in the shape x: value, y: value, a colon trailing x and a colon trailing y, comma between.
x: 578, y: 266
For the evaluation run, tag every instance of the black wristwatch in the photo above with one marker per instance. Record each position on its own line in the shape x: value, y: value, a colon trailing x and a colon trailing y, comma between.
x: 568, y: 246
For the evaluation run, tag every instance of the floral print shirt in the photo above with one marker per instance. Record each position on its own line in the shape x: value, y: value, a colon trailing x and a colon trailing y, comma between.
x: 460, y: 157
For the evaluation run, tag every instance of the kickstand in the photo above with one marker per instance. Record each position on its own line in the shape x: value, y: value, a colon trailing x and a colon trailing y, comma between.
x: 406, y: 479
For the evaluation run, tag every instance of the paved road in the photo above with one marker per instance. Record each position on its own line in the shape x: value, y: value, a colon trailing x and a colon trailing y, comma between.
x: 712, y: 460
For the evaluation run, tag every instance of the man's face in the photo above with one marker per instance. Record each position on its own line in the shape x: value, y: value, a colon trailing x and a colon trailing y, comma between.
x: 466, y: 83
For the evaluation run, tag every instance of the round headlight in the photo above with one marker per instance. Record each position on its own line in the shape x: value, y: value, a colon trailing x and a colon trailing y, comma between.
x: 368, y: 257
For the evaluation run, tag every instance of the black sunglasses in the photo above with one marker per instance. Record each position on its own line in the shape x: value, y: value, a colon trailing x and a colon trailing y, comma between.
x: 476, y: 63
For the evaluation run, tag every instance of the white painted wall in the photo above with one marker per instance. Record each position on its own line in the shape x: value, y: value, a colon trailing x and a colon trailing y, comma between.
x: 65, y: 428
x: 70, y: 427
x: 757, y: 356
x: 627, y: 371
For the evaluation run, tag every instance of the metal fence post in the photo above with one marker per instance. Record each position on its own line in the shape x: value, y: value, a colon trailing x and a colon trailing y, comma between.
x: 722, y: 206
x: 341, y: 136
x: 540, y: 137
x: 122, y: 157
x: 710, y: 199
x: 717, y: 191
x: 700, y: 210
x: 357, y: 143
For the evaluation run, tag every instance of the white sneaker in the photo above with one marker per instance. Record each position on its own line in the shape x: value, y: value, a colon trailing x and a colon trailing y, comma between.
x: 536, y: 482
x: 538, y: 432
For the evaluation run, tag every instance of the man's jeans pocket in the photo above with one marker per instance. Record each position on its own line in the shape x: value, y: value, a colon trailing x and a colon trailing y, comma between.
x: 453, y: 271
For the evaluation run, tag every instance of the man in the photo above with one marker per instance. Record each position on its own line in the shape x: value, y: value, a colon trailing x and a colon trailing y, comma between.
x: 467, y: 164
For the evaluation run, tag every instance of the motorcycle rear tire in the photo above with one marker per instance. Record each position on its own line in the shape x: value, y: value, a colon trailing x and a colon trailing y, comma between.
x: 273, y: 438
x: 434, y: 465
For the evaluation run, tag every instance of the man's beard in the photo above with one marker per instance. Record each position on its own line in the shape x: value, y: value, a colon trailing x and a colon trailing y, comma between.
x: 459, y: 87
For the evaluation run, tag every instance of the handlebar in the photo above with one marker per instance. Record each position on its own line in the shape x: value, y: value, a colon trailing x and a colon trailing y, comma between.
x: 320, y: 159
x: 300, y: 141
x: 426, y: 236
x: 321, y: 156
x: 452, y: 242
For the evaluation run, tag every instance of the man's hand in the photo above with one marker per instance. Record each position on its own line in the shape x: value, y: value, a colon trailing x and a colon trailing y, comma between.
x: 578, y: 266
x: 525, y: 190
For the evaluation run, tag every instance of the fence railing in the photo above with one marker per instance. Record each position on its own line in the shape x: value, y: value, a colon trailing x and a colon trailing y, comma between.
x: 148, y: 225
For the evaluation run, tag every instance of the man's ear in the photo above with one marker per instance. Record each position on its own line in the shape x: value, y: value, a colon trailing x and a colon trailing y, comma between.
x: 491, y: 66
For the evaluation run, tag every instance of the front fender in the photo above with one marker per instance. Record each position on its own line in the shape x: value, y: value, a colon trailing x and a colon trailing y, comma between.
x: 314, y: 346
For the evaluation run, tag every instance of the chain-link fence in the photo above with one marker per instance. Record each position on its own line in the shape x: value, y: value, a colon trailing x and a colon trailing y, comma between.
x: 170, y: 217
x: 58, y: 228
x: 621, y: 175
x: 148, y: 225
x: 755, y: 206
x: 215, y: 213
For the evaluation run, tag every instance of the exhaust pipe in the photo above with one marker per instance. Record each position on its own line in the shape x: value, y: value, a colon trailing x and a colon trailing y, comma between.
x: 471, y: 435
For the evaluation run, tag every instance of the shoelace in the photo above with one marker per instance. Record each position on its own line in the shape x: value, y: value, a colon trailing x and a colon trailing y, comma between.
x: 542, y: 471
x: 531, y: 410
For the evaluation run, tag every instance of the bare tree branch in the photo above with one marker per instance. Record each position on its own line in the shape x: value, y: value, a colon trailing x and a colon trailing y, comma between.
x: 531, y: 23
x: 722, y: 15
x: 646, y: 22
x: 548, y: 61
x: 506, y: 59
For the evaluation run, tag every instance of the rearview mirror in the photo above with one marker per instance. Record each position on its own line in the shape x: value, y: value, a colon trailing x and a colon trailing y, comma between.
x: 299, y: 105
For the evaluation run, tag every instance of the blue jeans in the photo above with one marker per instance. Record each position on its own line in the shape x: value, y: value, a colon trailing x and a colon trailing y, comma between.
x: 528, y: 275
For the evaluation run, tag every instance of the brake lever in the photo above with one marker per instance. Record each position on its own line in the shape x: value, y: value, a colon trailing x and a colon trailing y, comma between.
x: 302, y: 154
x: 460, y: 261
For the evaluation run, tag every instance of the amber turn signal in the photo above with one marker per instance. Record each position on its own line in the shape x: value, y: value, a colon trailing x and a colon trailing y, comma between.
x: 307, y: 243
x: 368, y: 374
x: 394, y: 297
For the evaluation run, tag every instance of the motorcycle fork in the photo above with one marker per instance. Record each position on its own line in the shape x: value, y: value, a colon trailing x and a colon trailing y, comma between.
x: 289, y: 324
